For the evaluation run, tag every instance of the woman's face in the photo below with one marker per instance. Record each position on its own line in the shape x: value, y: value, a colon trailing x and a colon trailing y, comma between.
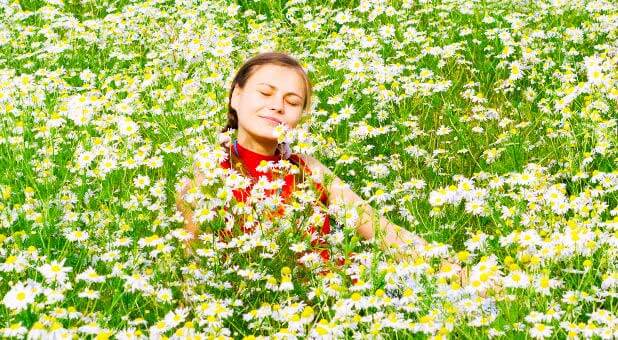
x: 272, y: 95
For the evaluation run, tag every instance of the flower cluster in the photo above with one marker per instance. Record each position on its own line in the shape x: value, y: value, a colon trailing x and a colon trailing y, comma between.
x: 487, y: 128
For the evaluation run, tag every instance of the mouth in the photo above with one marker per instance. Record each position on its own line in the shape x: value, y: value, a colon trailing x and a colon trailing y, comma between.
x: 273, y: 120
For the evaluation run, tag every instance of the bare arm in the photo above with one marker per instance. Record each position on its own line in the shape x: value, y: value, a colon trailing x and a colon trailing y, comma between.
x: 186, y: 209
x: 368, y: 227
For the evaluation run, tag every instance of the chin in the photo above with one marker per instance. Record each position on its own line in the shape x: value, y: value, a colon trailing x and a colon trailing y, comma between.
x: 265, y: 134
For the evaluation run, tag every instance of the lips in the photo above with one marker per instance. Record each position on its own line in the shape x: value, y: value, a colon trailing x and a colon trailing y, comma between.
x: 275, y: 120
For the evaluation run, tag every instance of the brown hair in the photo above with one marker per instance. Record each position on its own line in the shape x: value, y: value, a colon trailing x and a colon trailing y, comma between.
x: 247, y: 70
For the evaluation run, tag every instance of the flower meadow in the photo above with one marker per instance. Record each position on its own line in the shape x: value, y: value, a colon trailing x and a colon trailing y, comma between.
x: 489, y: 128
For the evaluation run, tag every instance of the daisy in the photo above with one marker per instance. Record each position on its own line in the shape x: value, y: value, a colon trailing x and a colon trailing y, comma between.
x: 324, y: 330
x: 76, y: 235
x: 570, y: 297
x: 158, y: 328
x: 543, y: 284
x: 53, y: 295
x: 571, y: 328
x: 174, y: 318
x: 19, y: 296
x: 107, y: 165
x: 360, y: 285
x: 88, y: 293
x: 55, y: 271
x: 126, y: 126
x: 90, y: 275
x: 154, y: 162
x: 271, y: 283
x: 602, y: 316
x: 437, y: 198
x: 141, y: 181
x: 14, y: 330
x: 516, y: 279
x: 14, y: 263
x: 38, y: 331
x: 286, y: 281
x: 84, y: 159
x: 448, y: 270
x: 298, y: 247
x: 540, y: 331
x: 477, y: 241
x: 356, y: 65
x: 136, y: 282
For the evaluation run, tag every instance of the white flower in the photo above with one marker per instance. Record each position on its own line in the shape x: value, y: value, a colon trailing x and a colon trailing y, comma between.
x: 477, y: 241
x: 282, y: 133
x: 437, y: 198
x: 55, y: 271
x: 86, y: 75
x: 476, y: 207
x: 443, y: 130
x: 540, y: 331
x: 174, y: 318
x: 222, y: 47
x: 298, y: 247
x: 529, y: 238
x: 610, y: 281
x: 76, y: 235
x: 126, y: 126
x: 517, y: 279
x: 14, y: 263
x: 378, y: 170
x: 107, y: 165
x: 204, y: 214
x: 137, y: 281
x: 141, y: 181
x: 286, y: 284
x: 84, y: 159
x: 19, y: 297
x: 89, y: 294
x: 90, y: 275
x: 124, y: 107
x: 516, y: 71
x: 356, y: 65
x: 164, y: 295
x: 79, y: 110
x: 15, y: 330
x: 53, y: 295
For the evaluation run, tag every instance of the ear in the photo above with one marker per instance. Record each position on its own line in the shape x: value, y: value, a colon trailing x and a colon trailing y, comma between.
x: 236, y: 92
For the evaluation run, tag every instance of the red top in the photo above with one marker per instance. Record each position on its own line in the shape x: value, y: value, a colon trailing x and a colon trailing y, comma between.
x: 251, y: 161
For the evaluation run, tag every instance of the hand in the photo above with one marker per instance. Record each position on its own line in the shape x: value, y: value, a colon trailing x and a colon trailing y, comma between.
x: 188, y: 248
x: 461, y: 272
x: 401, y: 253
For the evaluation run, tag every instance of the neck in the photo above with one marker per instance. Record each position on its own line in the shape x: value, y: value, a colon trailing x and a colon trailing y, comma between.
x: 264, y: 148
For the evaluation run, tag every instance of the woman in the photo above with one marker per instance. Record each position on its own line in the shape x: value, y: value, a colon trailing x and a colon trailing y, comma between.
x: 272, y: 89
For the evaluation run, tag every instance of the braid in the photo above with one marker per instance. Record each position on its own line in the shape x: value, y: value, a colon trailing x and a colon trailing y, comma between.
x: 235, y: 162
x: 232, y: 121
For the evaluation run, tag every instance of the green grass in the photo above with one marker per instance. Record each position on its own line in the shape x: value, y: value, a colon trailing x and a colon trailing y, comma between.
x: 39, y: 169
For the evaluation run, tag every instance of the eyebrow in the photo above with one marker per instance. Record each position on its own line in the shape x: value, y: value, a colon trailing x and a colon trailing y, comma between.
x: 274, y: 87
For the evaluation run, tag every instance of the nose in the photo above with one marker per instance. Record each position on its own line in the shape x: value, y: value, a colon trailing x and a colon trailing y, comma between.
x: 277, y: 104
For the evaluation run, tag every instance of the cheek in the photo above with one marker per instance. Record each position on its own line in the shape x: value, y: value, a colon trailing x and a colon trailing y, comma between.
x: 254, y: 101
x: 249, y: 102
x: 294, y: 118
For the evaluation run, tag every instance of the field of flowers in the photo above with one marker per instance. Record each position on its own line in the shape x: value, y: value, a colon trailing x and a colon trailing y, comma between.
x: 487, y: 127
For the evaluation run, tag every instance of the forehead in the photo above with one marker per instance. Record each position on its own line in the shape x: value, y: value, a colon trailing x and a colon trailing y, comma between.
x: 283, y: 78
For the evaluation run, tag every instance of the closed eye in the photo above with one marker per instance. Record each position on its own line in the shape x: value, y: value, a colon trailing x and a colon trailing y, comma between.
x: 293, y: 103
